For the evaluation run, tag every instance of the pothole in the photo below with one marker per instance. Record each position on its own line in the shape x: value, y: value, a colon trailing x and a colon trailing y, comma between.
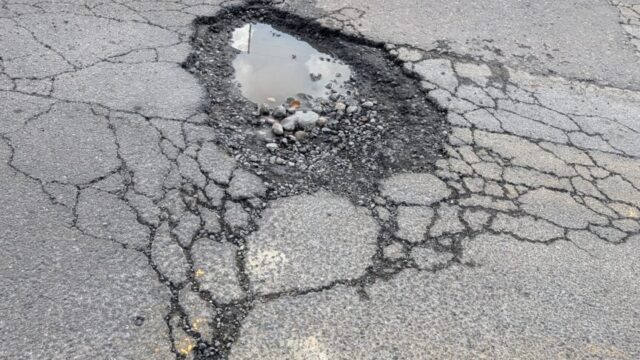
x: 357, y: 116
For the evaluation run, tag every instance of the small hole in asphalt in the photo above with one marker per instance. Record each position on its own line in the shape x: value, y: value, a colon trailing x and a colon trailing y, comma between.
x: 139, y: 320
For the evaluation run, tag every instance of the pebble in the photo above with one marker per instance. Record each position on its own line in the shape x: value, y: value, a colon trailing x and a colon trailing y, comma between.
x: 322, y: 121
x: 272, y: 146
x: 351, y: 109
x: 307, y: 119
x: 277, y: 128
x: 289, y: 123
x: 340, y: 106
x: 300, y: 135
x: 367, y: 104
x: 264, y: 109
x: 279, y: 112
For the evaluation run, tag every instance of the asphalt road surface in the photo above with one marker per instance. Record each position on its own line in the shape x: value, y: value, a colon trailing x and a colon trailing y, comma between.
x: 523, y: 242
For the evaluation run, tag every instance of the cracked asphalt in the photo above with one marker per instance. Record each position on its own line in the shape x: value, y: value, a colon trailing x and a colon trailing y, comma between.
x: 127, y: 232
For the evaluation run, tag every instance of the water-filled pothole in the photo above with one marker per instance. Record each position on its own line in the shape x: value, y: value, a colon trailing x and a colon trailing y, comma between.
x: 378, y: 122
x: 273, y: 66
x: 369, y: 125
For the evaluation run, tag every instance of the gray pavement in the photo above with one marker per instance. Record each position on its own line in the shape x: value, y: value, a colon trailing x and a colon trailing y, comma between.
x: 577, y: 39
x: 127, y: 233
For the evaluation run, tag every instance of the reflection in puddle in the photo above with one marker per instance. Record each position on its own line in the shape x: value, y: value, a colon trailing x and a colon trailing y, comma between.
x: 273, y: 66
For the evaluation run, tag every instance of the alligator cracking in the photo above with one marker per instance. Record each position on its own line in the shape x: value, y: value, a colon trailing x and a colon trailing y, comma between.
x: 347, y: 159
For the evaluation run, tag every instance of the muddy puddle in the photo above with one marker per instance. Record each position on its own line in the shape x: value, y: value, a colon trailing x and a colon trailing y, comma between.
x: 272, y: 66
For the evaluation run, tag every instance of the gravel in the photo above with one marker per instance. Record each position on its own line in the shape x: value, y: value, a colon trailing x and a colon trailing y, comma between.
x: 290, y: 123
x: 277, y: 128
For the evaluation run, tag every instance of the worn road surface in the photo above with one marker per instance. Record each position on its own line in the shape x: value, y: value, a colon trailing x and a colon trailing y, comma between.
x: 522, y: 243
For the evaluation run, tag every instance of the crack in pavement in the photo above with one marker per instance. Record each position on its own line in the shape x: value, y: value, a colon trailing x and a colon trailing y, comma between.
x: 533, y: 164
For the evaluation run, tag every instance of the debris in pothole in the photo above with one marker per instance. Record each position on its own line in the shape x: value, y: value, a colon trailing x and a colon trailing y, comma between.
x: 311, y: 127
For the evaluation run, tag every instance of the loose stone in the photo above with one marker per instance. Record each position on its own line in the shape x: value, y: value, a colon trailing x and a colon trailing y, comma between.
x: 289, y: 123
x: 300, y: 135
x: 322, y: 121
x: 264, y: 109
x: 352, y: 109
x: 279, y: 112
x: 277, y: 128
x: 307, y: 119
